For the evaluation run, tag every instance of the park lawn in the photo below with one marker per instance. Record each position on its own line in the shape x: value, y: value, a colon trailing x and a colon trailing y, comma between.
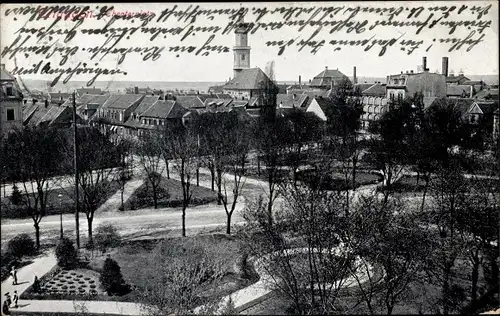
x: 132, y: 258
x: 169, y: 195
x: 408, y: 184
x: 55, y: 204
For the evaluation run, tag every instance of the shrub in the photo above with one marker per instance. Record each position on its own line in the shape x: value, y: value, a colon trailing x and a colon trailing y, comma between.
x: 16, y: 198
x: 66, y: 253
x: 21, y: 245
x: 106, y: 237
x: 111, y: 278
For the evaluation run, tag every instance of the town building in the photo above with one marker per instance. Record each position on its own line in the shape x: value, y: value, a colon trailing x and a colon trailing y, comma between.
x: 115, y: 111
x: 11, y: 102
x: 327, y: 79
x: 431, y: 85
x: 375, y: 104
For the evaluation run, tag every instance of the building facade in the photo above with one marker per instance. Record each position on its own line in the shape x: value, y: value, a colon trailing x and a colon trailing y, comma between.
x: 11, y: 102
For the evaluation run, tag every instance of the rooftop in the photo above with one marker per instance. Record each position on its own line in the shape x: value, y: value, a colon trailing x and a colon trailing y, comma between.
x: 249, y: 79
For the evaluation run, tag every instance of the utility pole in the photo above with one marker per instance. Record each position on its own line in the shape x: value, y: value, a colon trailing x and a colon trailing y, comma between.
x: 75, y: 162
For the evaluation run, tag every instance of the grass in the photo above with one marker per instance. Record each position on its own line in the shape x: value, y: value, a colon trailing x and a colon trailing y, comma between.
x: 55, y: 204
x: 169, y: 195
x: 408, y: 184
x: 133, y: 256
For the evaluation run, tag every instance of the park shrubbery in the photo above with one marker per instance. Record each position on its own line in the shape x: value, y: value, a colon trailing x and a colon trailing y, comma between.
x: 21, y: 245
x: 112, y: 280
x: 66, y: 254
x: 106, y: 237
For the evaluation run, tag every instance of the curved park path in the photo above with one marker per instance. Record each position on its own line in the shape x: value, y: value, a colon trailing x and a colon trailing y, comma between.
x: 200, y: 217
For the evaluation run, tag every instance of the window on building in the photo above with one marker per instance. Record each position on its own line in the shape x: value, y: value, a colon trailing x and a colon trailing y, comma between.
x: 10, y: 92
x: 10, y: 115
x: 243, y: 57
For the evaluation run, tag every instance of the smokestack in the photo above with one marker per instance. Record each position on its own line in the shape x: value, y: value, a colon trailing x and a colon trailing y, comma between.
x: 300, y: 81
x: 136, y: 90
x: 424, y: 63
x: 355, y: 80
x: 444, y: 67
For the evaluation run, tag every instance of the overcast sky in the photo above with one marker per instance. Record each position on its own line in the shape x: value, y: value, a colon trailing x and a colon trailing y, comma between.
x: 481, y: 60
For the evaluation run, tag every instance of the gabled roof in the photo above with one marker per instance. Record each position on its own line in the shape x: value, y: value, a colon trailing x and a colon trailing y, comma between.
x: 250, y: 79
x: 487, y: 94
x: 376, y: 90
x: 86, y: 99
x: 457, y: 90
x: 189, y: 102
x: 6, y: 76
x: 28, y: 111
x: 121, y: 101
x: 363, y: 86
x: 43, y: 114
x: 292, y: 100
x: 201, y: 96
x: 222, y: 96
x: 95, y: 91
x: 325, y: 104
x: 454, y: 79
x: 146, y: 103
x: 159, y: 109
x: 487, y: 107
x: 327, y: 77
x: 217, y: 103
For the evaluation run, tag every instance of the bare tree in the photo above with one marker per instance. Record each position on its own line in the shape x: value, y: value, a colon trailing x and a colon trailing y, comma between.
x: 33, y: 156
x: 150, y: 151
x: 181, y: 277
x: 303, y: 252
x: 124, y: 149
x: 96, y: 162
x: 183, y: 146
x: 388, y: 236
x: 238, y: 142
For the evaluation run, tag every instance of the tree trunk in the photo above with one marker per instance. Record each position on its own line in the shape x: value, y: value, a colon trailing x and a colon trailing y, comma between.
x: 89, y: 222
x: 155, y: 198
x: 184, y: 206
x: 258, y: 166
x: 37, y: 235
x: 228, y: 228
x: 212, y: 173
x: 446, y: 291
x: 475, y: 277
x: 219, y: 187
x: 121, y: 196
x: 426, y: 186
x: 168, y: 170
x: 197, y: 176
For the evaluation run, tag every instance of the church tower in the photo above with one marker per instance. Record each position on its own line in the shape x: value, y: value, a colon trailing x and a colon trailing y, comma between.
x: 241, y: 49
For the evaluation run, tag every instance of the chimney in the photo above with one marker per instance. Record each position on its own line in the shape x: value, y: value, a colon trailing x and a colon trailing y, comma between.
x: 424, y: 64
x: 411, y: 71
x: 444, y: 67
x: 401, y: 72
x: 136, y: 90
x: 3, y: 66
x: 300, y: 81
x: 355, y: 80
x: 471, y: 91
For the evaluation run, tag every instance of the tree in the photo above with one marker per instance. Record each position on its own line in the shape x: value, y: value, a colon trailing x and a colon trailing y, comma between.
x: 96, y: 158
x: 303, y: 251
x: 111, y: 277
x: 303, y: 128
x: 343, y: 124
x: 238, y: 146
x: 106, y: 237
x: 66, y: 253
x: 150, y: 152
x: 387, y: 235
x: 33, y: 157
x: 270, y: 140
x: 124, y: 149
x: 21, y: 245
x: 183, y: 146
x: 449, y: 195
x: 181, y: 276
x: 17, y: 197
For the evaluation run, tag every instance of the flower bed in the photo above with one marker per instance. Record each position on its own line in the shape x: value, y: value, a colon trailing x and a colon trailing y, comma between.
x: 66, y: 284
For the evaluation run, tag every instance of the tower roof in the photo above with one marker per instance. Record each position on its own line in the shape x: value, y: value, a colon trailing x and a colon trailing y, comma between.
x: 249, y: 79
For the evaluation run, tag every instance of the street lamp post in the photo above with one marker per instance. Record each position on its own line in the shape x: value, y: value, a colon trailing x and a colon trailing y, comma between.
x: 60, y: 215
